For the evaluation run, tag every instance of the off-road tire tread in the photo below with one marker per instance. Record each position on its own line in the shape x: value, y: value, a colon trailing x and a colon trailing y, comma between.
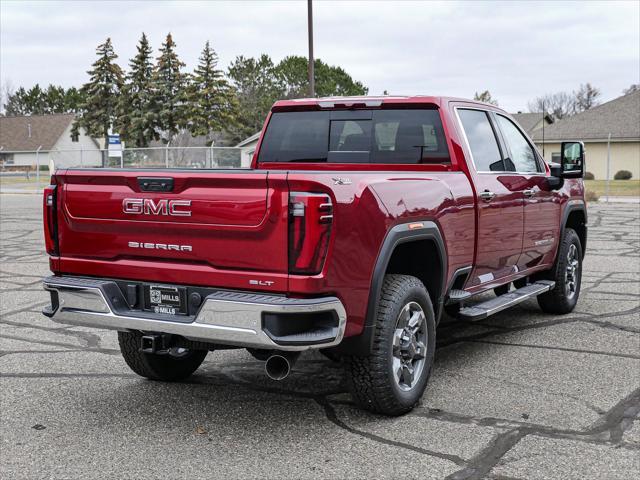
x: 555, y: 300
x: 367, y: 378
x: 157, y: 367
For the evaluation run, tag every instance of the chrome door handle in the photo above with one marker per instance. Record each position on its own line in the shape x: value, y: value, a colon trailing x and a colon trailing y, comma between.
x: 529, y: 192
x: 487, y: 195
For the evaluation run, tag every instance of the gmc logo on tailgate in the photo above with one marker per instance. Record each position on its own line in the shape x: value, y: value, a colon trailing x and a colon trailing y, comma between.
x: 146, y: 206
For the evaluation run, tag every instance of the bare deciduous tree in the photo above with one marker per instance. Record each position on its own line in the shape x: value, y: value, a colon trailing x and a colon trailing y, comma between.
x: 557, y: 105
x: 634, y: 87
x: 485, y: 97
x: 6, y: 92
x: 586, y: 97
x: 563, y: 104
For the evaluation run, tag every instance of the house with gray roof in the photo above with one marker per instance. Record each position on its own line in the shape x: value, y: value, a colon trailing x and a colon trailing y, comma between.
x: 43, y: 139
x: 531, y: 122
x: 618, y: 119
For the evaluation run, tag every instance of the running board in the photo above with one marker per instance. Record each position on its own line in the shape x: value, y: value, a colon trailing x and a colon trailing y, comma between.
x: 495, y: 305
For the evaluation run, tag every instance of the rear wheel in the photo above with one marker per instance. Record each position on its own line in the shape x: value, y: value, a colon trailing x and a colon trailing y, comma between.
x: 502, y: 289
x: 393, y: 377
x: 567, y: 273
x: 177, y: 364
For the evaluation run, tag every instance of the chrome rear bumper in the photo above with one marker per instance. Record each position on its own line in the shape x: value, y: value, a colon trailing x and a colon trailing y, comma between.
x: 225, y: 317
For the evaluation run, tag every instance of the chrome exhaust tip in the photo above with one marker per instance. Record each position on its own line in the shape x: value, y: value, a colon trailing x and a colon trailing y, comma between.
x: 279, y: 365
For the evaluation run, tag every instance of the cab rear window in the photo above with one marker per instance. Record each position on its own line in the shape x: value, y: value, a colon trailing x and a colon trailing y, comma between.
x: 355, y: 136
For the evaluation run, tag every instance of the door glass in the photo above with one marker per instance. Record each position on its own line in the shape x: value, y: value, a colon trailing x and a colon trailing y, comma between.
x: 522, y: 156
x: 482, y: 140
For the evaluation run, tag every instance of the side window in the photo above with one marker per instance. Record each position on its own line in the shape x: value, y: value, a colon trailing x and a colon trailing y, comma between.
x: 522, y: 154
x: 482, y: 140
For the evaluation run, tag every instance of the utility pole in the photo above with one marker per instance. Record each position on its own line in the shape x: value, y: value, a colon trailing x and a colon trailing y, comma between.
x: 312, y: 83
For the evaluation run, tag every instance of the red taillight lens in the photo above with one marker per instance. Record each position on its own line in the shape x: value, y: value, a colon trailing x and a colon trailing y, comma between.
x: 50, y: 222
x: 310, y: 219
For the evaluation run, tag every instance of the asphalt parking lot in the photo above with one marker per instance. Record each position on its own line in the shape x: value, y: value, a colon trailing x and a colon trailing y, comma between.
x: 520, y: 395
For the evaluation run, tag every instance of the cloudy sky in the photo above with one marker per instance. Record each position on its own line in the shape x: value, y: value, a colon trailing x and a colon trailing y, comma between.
x: 516, y: 50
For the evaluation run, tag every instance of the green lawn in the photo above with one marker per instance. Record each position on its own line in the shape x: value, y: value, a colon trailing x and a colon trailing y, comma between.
x: 44, y: 179
x: 617, y: 188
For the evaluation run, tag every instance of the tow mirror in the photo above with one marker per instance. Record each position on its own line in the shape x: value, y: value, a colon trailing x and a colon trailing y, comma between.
x: 572, y: 160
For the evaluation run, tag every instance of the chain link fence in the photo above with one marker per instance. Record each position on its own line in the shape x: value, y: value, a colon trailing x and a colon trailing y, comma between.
x: 153, y: 157
x: 30, y: 170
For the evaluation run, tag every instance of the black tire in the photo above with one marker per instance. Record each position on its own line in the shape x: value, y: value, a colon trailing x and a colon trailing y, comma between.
x: 452, y: 310
x: 165, y: 367
x: 564, y: 296
x: 371, y: 379
x: 521, y: 282
x: 331, y: 355
x: 502, y: 289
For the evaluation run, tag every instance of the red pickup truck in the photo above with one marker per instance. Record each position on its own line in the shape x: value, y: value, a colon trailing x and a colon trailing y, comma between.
x: 360, y: 221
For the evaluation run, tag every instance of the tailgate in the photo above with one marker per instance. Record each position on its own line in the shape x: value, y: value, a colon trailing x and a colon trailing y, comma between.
x: 213, y: 228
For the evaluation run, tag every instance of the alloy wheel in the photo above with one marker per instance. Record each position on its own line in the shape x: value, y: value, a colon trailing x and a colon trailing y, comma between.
x: 572, y: 271
x: 409, y: 346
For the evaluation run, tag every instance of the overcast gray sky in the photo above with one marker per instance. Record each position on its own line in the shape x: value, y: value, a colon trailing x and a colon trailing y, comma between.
x: 516, y: 50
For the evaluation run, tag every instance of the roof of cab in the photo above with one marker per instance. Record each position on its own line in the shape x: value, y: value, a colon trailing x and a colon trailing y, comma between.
x: 367, y: 101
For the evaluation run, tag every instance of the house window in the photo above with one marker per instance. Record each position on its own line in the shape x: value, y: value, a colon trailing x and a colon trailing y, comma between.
x: 555, y: 157
x: 6, y: 159
x: 75, y: 137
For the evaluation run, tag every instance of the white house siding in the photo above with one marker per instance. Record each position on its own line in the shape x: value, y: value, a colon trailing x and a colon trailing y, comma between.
x: 246, y: 154
x: 64, y: 154
x: 67, y: 153
x: 27, y: 159
x: 624, y: 156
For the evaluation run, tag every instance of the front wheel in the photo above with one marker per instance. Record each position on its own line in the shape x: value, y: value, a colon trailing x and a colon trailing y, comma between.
x: 393, y: 377
x: 567, y: 273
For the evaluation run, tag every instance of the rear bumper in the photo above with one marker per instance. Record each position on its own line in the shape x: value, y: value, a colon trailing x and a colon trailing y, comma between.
x: 225, y: 317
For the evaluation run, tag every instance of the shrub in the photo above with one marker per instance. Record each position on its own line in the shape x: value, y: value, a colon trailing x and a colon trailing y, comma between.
x: 589, y: 176
x: 591, y: 196
x: 622, y: 175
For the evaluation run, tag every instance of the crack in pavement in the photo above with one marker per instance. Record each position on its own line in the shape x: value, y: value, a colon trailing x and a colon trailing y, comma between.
x: 24, y: 248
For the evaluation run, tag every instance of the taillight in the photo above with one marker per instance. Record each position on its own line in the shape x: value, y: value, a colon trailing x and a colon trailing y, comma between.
x: 310, y: 219
x: 50, y: 220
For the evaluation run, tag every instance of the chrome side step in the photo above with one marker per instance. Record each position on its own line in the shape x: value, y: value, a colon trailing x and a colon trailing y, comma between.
x: 495, y: 305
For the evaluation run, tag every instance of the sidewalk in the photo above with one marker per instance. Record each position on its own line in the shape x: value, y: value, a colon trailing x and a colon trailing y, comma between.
x: 612, y: 199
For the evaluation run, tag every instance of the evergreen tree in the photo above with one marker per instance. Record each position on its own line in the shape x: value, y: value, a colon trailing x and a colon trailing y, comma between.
x: 99, y: 108
x: 36, y: 101
x: 53, y: 99
x: 169, y: 92
x: 136, y: 107
x: 73, y: 99
x: 16, y: 103
x: 212, y: 102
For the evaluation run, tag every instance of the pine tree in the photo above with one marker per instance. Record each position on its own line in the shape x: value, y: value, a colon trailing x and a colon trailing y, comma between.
x: 212, y: 102
x: 100, y: 105
x: 136, y: 106
x: 169, y: 92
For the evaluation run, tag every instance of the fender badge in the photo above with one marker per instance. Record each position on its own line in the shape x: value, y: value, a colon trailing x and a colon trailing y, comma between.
x: 341, y: 181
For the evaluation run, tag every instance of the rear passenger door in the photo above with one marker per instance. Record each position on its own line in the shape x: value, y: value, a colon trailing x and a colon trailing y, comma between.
x: 500, y: 211
x: 541, y: 212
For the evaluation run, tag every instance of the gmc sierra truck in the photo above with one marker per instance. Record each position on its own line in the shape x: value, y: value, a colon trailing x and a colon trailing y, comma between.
x: 359, y: 224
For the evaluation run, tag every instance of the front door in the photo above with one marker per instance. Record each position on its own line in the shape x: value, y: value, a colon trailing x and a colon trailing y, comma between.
x: 500, y: 201
x: 541, y: 210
